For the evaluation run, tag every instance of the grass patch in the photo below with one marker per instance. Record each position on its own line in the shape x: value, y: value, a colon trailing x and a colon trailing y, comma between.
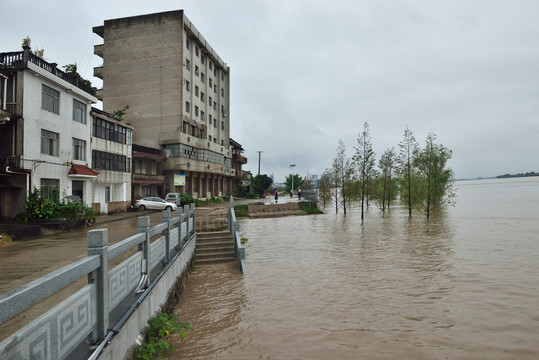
x: 5, y: 239
x: 241, y: 211
x: 313, y: 209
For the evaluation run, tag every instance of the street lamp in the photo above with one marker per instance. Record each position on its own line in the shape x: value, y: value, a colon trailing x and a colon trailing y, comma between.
x: 259, y: 153
x: 292, y: 167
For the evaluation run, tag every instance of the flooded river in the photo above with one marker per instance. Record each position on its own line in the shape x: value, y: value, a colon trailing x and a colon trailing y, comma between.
x: 462, y: 285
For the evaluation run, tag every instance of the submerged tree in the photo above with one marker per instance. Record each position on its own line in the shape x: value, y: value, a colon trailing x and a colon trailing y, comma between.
x: 386, y: 189
x: 325, y: 187
x: 409, y: 182
x: 342, y: 176
x: 364, y: 159
x: 436, y: 179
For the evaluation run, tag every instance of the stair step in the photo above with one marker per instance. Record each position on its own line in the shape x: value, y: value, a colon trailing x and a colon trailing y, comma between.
x: 215, y: 260
x: 214, y: 235
x: 203, y: 251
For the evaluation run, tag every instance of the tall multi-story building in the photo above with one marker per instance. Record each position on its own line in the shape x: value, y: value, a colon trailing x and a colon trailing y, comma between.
x: 178, y: 92
x: 44, y: 132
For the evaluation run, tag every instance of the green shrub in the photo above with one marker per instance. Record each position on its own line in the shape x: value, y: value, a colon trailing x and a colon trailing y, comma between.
x: 160, y: 329
x: 38, y: 208
x: 187, y: 199
x: 309, y: 207
x: 241, y: 211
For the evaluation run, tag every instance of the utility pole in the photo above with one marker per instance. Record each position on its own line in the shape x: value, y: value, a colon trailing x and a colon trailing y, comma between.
x: 259, y: 153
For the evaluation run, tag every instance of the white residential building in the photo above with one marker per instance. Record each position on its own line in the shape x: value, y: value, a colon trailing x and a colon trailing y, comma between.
x: 45, y: 139
x: 111, y: 156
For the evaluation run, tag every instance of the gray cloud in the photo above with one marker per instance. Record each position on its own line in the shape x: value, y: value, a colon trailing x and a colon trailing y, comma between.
x: 305, y: 74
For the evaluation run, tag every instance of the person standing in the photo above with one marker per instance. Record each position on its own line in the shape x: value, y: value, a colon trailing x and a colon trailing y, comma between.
x: 299, y: 194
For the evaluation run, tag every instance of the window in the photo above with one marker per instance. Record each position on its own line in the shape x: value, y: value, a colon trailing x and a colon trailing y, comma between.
x: 187, y: 106
x: 214, y: 105
x: 202, y: 59
x: 222, y: 92
x: 196, y: 90
x: 209, y: 119
x: 214, y: 122
x: 128, y: 165
x: 209, y: 101
x: 188, y: 64
x: 50, y: 142
x: 50, y: 189
x: 209, y: 137
x: 107, y: 161
x: 202, y: 115
x: 215, y: 88
x: 210, y: 83
x: 202, y: 98
x: 187, y: 85
x: 222, y: 125
x: 196, y: 70
x: 215, y: 140
x: 50, y: 99
x: 111, y: 131
x: 196, y: 50
x: 107, y: 193
x: 79, y: 149
x: 202, y: 77
x: 79, y: 111
x: 196, y: 110
x: 187, y: 43
x: 223, y: 76
x: 211, y: 65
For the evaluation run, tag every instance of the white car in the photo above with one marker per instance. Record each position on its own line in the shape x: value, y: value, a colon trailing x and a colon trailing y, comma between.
x: 154, y: 203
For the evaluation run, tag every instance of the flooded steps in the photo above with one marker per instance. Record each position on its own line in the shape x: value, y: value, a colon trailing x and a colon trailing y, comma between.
x: 214, y: 247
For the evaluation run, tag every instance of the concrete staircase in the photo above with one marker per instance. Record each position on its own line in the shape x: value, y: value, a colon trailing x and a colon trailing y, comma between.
x: 214, y: 247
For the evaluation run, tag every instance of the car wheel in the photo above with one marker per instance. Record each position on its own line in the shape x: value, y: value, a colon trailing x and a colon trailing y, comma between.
x: 142, y: 207
x: 169, y: 208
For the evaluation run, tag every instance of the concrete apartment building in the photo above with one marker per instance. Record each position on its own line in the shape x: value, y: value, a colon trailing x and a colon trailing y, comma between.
x: 44, y: 132
x: 178, y: 92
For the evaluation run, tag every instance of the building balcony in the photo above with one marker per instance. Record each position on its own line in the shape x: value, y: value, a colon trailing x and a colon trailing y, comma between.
x: 239, y: 158
x: 98, y: 50
x: 98, y: 72
x: 20, y: 60
x: 14, y: 163
x: 148, y: 178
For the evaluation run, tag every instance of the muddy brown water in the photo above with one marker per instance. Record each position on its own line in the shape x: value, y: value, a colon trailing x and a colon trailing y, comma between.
x: 463, y: 285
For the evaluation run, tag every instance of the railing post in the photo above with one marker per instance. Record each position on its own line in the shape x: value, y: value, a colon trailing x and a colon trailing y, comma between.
x: 194, y: 218
x: 165, y: 218
x: 186, y: 211
x: 236, y: 230
x: 178, y: 212
x: 144, y: 227
x: 97, y: 245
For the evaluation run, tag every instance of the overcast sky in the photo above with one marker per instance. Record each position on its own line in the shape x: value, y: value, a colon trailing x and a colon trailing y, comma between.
x: 306, y: 73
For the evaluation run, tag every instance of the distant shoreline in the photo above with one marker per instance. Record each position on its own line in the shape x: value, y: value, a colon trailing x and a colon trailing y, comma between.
x: 505, y: 176
x: 517, y: 175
